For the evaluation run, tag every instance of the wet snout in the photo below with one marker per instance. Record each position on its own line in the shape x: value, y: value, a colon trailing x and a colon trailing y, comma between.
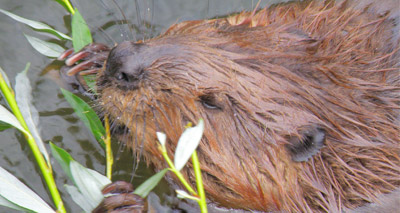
x: 128, y: 62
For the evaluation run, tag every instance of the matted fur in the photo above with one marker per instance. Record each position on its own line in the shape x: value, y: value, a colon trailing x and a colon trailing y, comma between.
x: 269, y: 74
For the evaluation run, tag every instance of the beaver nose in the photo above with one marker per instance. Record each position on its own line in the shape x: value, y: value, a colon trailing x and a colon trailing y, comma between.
x: 126, y: 64
x: 129, y: 76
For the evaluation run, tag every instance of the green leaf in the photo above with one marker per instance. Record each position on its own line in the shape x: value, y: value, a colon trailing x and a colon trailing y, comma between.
x: 89, y: 182
x: 4, y: 126
x: 36, y: 25
x: 81, y: 35
x: 63, y: 158
x: 87, y: 115
x: 187, y: 143
x: 67, y: 5
x: 46, y: 48
x: 23, y: 96
x: 17, y: 193
x: 145, y: 188
x: 7, y: 117
x: 91, y: 82
x: 4, y: 75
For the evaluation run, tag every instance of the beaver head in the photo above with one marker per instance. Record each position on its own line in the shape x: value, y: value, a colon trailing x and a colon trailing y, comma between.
x: 299, y: 104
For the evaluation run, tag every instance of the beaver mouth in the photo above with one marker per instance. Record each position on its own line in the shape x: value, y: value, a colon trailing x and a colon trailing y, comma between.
x: 127, y: 103
x: 130, y: 105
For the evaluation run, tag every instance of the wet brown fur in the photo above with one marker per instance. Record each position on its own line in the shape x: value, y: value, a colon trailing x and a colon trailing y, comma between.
x: 271, y: 73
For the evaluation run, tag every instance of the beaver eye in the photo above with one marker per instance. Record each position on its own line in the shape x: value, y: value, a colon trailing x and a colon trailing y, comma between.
x: 209, y: 102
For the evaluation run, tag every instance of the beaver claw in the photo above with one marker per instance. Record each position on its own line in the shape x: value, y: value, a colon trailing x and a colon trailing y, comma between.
x: 119, y: 197
x: 93, y: 57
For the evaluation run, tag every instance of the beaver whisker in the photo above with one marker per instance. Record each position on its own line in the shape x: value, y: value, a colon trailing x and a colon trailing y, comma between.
x: 136, y: 133
x: 143, y: 137
x: 153, y: 112
x: 136, y: 139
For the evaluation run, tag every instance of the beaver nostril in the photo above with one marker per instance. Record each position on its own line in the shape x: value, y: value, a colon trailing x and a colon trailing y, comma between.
x: 128, y: 78
x: 122, y: 77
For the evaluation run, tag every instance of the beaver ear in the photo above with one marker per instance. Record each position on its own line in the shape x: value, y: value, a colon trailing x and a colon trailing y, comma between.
x: 307, y: 143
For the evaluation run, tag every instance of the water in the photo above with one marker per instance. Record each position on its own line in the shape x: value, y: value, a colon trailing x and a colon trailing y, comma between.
x: 58, y: 123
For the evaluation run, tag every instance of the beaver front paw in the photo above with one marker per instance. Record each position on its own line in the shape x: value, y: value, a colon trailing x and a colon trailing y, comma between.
x: 119, y: 197
x: 89, y: 60
x: 92, y: 56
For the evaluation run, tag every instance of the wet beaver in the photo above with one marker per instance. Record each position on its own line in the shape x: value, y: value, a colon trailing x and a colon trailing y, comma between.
x: 300, y: 102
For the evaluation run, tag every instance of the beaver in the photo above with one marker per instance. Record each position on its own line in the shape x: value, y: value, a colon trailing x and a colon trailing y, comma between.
x: 300, y: 102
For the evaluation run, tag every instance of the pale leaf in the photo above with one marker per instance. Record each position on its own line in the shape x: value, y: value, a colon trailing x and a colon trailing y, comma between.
x: 36, y: 25
x: 46, y: 48
x: 187, y: 144
x: 23, y: 96
x: 16, y: 192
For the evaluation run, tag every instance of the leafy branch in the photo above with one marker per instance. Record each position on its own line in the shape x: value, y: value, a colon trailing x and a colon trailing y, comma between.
x: 20, y: 123
x: 186, y: 148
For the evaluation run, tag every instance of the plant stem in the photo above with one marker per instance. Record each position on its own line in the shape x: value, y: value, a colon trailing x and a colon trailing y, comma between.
x: 69, y: 6
x: 109, y: 155
x: 176, y: 172
x: 43, y: 165
x: 199, y: 183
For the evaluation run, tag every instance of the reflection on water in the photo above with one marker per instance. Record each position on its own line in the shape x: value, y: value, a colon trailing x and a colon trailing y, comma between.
x: 58, y: 123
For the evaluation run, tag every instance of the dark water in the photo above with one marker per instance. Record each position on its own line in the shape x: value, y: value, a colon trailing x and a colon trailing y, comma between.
x: 57, y: 120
